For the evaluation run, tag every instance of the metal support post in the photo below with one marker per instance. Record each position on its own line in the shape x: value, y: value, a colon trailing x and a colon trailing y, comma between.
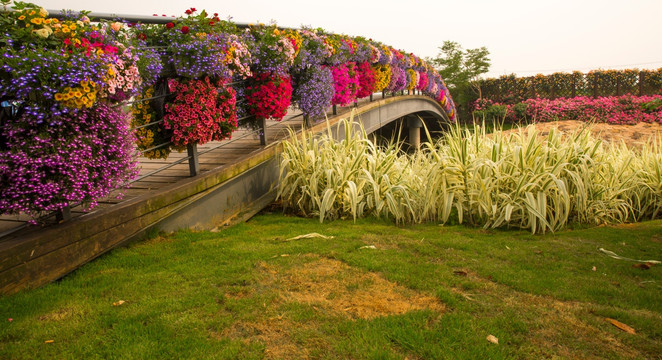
x: 63, y: 214
x: 193, y: 163
x: 263, y: 132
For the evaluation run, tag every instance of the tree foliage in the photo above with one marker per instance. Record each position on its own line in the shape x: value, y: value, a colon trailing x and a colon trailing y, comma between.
x: 460, y: 68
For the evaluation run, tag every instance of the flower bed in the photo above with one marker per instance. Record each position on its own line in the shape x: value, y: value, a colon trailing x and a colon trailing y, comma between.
x: 619, y: 110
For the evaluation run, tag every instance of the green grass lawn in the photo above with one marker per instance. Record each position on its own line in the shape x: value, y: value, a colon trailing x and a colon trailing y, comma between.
x: 422, y: 292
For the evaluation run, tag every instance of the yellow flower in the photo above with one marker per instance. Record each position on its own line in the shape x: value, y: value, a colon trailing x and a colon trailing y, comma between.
x: 22, y: 17
x: 43, y: 13
x: 32, y: 13
x: 58, y: 97
x: 86, y: 89
x: 65, y: 29
x: 43, y: 33
x: 72, y: 26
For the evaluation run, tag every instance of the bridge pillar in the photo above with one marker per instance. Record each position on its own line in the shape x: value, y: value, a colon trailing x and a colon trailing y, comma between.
x: 414, y: 124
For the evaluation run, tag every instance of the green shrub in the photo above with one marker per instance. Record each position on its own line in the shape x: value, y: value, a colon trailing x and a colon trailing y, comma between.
x: 652, y: 106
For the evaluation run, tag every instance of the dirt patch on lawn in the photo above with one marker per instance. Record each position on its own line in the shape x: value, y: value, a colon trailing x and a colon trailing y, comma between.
x: 632, y: 135
x: 346, y: 291
x: 333, y: 289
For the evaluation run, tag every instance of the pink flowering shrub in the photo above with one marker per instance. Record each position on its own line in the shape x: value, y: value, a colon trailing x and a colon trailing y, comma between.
x: 200, y: 113
x: 346, y: 82
x: 366, y: 80
x: 422, y: 80
x: 269, y: 95
x: 618, y: 110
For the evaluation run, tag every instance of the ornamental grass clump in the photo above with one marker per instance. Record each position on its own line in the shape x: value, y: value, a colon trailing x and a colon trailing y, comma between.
x: 351, y: 178
x: 518, y: 180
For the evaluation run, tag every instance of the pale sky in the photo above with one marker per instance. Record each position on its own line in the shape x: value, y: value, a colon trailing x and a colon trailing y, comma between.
x: 523, y: 37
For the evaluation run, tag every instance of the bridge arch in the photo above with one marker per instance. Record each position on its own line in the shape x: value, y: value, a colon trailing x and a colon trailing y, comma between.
x: 380, y: 113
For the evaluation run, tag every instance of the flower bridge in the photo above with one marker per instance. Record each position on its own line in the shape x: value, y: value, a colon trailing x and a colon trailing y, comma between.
x: 226, y: 93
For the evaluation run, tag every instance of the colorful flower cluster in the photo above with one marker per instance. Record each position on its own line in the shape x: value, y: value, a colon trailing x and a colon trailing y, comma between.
x: 123, y: 78
x: 200, y: 113
x: 151, y: 135
x: 314, y: 91
x: 269, y: 95
x: 45, y: 168
x: 366, y: 79
x: 61, y: 141
x: 77, y: 97
x: 346, y: 82
x: 620, y: 110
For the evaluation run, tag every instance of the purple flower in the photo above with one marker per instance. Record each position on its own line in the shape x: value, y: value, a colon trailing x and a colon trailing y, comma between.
x: 44, y: 168
x: 314, y: 91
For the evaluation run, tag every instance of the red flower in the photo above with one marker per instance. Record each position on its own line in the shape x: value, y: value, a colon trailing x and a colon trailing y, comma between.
x: 215, y: 14
x: 184, y: 29
x: 193, y: 9
x: 142, y: 36
x: 170, y: 25
x: 212, y: 23
x: 188, y: 12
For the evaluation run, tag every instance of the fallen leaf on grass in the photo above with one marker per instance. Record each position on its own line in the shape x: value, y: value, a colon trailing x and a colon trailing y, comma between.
x: 643, y: 266
x: 537, y: 252
x: 459, y: 273
x: 49, y: 341
x: 368, y: 247
x: 118, y: 303
x: 594, y: 268
x: 621, y: 326
x: 310, y: 236
x: 493, y: 339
